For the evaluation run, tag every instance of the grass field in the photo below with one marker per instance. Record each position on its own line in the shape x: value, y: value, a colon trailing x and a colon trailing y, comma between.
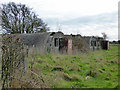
x: 98, y: 69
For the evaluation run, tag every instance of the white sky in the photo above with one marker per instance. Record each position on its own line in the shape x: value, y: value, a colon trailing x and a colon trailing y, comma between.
x: 49, y: 8
x: 71, y: 9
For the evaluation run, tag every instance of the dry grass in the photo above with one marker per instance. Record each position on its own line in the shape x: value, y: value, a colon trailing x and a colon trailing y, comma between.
x: 98, y: 69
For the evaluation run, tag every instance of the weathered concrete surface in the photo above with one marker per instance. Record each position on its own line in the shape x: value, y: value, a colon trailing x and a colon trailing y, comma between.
x: 79, y: 45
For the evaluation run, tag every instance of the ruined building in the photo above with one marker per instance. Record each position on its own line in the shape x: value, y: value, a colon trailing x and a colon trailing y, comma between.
x: 57, y: 42
x: 54, y: 42
x: 96, y: 43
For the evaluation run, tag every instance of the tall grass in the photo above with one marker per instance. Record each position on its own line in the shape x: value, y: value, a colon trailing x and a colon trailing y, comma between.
x: 98, y: 69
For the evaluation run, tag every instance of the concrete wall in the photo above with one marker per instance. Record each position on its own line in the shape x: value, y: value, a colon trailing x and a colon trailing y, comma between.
x: 58, y: 35
x: 36, y: 42
x: 79, y: 45
x: 41, y: 43
x: 97, y: 40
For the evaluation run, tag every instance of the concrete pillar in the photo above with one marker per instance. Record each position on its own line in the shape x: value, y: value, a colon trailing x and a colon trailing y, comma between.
x: 69, y: 46
x: 107, y: 45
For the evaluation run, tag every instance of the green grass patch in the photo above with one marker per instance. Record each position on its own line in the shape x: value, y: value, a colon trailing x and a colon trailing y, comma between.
x: 97, y: 69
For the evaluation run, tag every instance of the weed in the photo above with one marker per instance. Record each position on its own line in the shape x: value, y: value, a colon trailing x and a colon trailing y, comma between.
x: 98, y: 69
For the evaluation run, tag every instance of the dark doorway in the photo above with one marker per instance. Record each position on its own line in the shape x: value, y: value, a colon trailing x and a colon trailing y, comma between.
x: 105, y: 45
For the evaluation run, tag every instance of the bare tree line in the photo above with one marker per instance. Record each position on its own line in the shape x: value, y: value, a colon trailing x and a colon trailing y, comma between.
x: 18, y: 18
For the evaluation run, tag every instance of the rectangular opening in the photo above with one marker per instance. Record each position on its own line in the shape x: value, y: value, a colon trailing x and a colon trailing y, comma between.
x: 61, y: 42
x: 93, y: 43
x: 56, y: 42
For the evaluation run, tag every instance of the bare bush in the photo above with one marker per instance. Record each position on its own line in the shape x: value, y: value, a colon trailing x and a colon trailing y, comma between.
x: 12, y: 58
x: 14, y: 74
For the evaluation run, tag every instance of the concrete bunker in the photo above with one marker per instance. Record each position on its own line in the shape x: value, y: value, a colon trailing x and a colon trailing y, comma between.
x: 79, y: 45
x: 97, y: 43
x: 57, y: 42
x: 47, y: 42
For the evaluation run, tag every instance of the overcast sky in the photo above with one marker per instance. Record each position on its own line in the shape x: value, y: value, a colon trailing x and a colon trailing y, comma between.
x: 85, y: 17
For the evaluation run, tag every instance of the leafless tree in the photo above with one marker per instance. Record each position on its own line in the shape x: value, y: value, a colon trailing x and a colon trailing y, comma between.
x: 18, y: 18
x: 104, y: 36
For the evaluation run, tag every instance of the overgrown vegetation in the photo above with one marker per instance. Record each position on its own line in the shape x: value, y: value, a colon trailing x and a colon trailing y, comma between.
x: 14, y: 73
x: 12, y: 59
x: 98, y: 69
